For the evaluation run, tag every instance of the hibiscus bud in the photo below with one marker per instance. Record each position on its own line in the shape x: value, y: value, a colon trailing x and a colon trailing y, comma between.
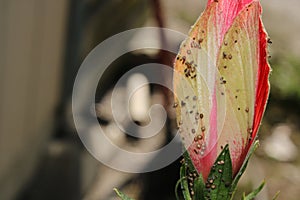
x: 224, y: 63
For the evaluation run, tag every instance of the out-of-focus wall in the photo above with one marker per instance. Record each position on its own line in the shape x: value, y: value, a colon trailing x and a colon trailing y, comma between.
x: 32, y: 34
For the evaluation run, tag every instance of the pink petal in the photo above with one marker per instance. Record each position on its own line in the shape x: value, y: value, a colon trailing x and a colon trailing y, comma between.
x: 263, y: 86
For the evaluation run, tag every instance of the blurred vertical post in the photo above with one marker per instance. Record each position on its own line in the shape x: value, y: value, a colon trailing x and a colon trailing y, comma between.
x: 162, y: 57
x: 31, y: 53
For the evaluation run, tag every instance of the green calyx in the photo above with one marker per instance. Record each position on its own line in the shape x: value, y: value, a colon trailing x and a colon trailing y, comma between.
x: 220, y: 184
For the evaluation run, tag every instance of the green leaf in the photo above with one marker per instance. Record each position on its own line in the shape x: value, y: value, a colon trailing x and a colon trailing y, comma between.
x: 121, y: 195
x: 243, y: 168
x: 253, y: 194
x: 276, y: 195
x: 220, y: 177
x: 184, y: 183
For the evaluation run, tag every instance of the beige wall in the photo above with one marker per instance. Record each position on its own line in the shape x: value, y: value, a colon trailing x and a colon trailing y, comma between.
x: 32, y: 35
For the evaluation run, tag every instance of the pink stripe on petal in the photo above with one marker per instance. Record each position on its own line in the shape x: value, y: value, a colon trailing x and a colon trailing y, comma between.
x: 213, y: 136
x: 202, y: 164
x: 226, y: 12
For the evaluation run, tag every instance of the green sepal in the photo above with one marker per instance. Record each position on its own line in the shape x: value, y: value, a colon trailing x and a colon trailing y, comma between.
x: 184, y: 183
x: 188, y: 161
x: 198, y: 183
x: 243, y: 168
x: 199, y: 187
x: 253, y: 194
x: 220, y: 177
x: 121, y: 195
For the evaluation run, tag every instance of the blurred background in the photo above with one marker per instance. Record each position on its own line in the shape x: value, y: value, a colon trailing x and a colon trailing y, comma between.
x: 43, y: 43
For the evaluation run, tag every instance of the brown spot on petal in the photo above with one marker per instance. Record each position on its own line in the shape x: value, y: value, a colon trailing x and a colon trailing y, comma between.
x: 250, y: 131
x: 183, y: 103
x: 175, y: 105
x: 270, y: 41
x: 183, y: 59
